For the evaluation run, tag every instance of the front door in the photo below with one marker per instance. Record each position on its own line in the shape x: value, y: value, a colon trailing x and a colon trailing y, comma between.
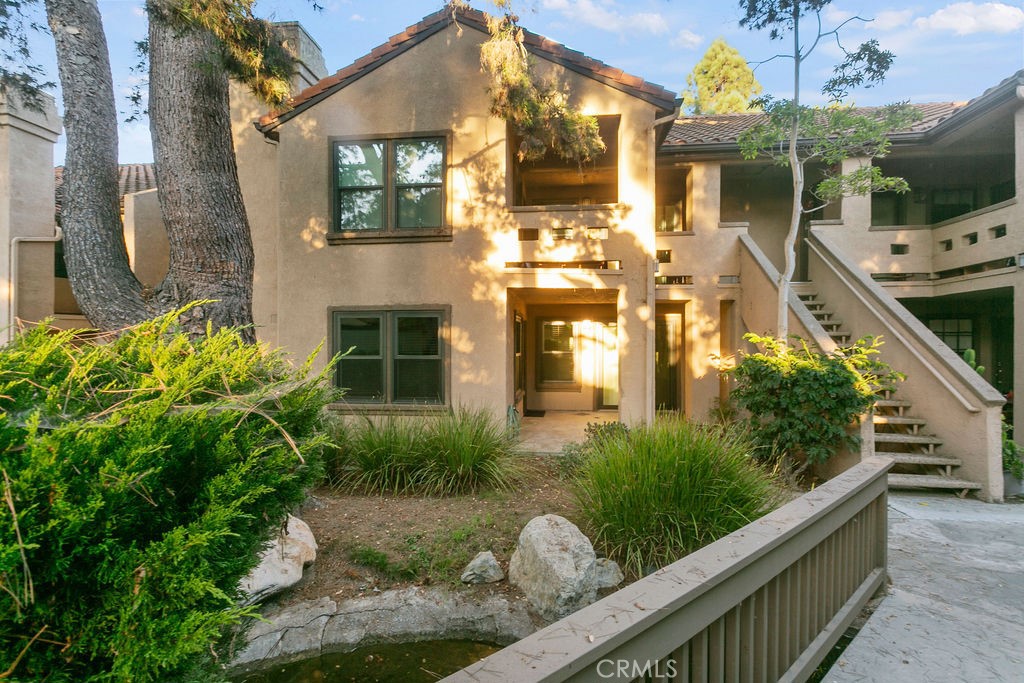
x: 667, y: 361
x: 607, y: 357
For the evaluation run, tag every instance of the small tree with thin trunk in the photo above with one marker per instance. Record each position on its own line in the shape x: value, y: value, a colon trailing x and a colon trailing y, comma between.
x: 793, y: 134
x: 721, y: 83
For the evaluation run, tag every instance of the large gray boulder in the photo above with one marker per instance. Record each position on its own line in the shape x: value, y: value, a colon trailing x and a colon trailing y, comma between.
x: 281, y: 564
x: 555, y: 566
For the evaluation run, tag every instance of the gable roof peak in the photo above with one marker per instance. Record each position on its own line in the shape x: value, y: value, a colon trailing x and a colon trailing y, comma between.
x: 536, y: 44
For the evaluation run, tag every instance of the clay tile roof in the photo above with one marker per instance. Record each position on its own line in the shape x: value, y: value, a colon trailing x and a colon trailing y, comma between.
x: 725, y: 129
x: 130, y: 178
x: 433, y: 23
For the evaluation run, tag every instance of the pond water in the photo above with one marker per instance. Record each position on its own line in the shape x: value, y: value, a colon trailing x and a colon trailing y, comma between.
x: 406, y: 662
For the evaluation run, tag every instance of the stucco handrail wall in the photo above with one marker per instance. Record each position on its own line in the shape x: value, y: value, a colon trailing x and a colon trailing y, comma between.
x: 961, y: 408
x: 760, y: 285
x: 971, y: 389
x: 766, y: 602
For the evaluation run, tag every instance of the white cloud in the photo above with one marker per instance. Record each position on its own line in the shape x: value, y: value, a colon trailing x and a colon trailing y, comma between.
x: 357, y: 17
x: 888, y: 20
x: 687, y: 40
x: 965, y: 18
x: 603, y: 15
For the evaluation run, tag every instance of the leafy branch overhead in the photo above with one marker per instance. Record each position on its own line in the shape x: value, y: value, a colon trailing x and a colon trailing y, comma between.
x: 793, y: 134
x: 830, y: 135
x: 538, y: 109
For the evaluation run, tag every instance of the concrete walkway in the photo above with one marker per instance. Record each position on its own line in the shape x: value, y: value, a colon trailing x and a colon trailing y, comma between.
x: 955, y: 610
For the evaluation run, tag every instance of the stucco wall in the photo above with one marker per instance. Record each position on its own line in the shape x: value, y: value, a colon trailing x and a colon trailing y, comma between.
x: 145, y: 237
x: 437, y: 86
x: 26, y: 209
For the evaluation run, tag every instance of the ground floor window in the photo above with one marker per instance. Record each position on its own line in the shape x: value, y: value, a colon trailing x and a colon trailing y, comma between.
x: 956, y: 333
x: 557, y: 365
x: 393, y: 356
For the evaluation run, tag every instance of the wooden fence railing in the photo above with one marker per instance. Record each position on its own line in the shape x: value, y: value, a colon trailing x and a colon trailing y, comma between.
x: 765, y: 603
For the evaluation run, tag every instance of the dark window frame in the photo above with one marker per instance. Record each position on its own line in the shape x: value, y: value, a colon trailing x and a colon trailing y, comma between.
x: 389, y: 231
x: 389, y: 352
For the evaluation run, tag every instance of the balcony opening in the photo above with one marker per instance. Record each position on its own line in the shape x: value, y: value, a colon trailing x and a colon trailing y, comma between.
x: 670, y: 190
x: 552, y: 180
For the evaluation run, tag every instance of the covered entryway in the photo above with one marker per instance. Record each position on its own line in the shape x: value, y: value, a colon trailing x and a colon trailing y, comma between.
x: 565, y: 350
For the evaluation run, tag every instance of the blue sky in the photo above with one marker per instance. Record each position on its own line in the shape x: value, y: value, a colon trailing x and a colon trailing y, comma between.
x: 945, y: 51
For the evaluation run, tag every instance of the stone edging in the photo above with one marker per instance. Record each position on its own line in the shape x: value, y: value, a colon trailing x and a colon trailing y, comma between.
x: 307, y: 629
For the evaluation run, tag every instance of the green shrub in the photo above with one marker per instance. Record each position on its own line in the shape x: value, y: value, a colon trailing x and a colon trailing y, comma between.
x: 466, y: 450
x: 1013, y: 453
x: 381, y: 457
x: 575, y: 453
x: 652, y: 494
x: 800, y: 402
x: 458, y: 452
x: 141, y: 478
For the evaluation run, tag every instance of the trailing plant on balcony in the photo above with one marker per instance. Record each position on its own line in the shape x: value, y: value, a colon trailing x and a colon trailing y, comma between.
x: 800, y: 401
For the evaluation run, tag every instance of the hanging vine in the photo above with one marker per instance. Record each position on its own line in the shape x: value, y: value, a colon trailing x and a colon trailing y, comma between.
x: 538, y: 110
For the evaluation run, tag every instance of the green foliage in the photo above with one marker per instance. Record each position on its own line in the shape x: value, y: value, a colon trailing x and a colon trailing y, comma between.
x: 431, y: 558
x: 971, y: 358
x: 19, y: 74
x: 539, y: 111
x: 465, y: 450
x: 574, y: 454
x: 800, y: 402
x: 251, y: 50
x: 721, y: 83
x: 1013, y: 453
x: 654, y: 493
x: 830, y: 135
x: 141, y: 478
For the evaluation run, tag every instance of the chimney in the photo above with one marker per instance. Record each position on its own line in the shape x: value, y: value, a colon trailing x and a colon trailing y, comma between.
x: 310, y: 67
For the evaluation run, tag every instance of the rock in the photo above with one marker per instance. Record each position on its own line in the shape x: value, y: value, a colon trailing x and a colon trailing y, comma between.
x: 483, y: 568
x: 281, y: 564
x: 555, y: 566
x: 608, y: 573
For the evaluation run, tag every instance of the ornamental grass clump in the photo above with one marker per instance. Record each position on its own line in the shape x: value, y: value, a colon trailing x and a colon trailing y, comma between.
x: 459, y: 452
x: 654, y: 493
x: 140, y: 480
x: 464, y: 451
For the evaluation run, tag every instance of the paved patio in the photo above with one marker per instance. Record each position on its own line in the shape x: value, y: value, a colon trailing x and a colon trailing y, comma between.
x: 955, y: 610
x: 546, y: 435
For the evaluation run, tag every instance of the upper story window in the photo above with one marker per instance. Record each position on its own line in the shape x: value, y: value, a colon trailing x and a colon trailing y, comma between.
x: 553, y: 180
x: 389, y: 188
x: 670, y: 199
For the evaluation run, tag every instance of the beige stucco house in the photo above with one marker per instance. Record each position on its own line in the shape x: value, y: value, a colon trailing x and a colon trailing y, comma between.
x: 391, y: 216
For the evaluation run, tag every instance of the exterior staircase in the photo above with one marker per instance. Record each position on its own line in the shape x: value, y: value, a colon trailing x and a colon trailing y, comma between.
x: 899, y: 434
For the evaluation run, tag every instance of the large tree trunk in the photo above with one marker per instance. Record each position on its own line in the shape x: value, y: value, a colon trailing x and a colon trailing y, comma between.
x: 106, y: 289
x: 211, y: 255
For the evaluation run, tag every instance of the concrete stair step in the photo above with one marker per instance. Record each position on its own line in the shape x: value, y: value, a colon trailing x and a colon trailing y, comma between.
x: 822, y: 313
x: 898, y: 420
x: 916, y: 439
x: 931, y: 481
x: 892, y: 403
x: 921, y: 459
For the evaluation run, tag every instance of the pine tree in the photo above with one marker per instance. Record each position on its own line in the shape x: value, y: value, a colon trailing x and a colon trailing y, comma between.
x: 721, y: 83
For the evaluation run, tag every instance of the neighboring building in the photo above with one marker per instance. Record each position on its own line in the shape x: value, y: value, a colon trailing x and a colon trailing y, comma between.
x: 390, y: 216
x: 147, y: 252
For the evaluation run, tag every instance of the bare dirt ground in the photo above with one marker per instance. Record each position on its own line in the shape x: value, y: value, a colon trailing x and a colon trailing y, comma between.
x: 370, y: 542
